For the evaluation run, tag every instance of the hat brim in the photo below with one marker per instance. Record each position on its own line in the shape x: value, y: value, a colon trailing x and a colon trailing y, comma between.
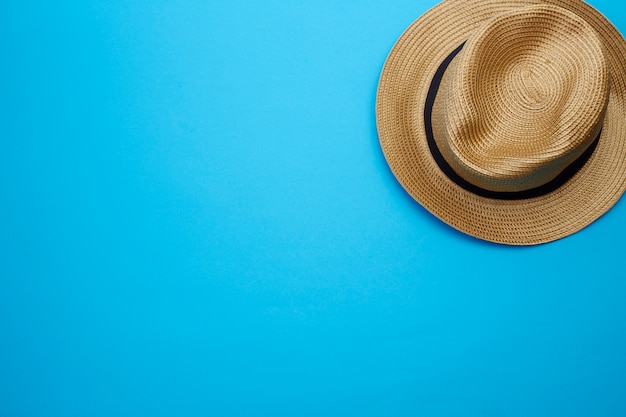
x: 401, y: 97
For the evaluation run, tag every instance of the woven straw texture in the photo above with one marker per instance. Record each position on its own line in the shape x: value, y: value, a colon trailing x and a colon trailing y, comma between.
x: 533, y: 86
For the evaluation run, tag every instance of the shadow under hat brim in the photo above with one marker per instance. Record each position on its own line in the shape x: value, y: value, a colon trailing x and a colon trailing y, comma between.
x: 402, y: 93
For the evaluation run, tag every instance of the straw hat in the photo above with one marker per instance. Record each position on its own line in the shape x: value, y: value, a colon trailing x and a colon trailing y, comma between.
x: 507, y: 119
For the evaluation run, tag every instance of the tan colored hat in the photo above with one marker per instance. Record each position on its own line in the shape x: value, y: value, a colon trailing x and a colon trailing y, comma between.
x: 507, y: 119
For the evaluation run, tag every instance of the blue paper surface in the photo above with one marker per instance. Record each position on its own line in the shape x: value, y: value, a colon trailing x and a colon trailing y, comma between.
x: 197, y: 220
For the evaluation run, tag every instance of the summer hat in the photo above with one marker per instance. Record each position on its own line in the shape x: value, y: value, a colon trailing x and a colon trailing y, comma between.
x: 507, y: 119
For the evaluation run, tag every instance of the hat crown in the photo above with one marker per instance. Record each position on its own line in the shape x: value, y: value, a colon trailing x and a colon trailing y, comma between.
x: 524, y: 98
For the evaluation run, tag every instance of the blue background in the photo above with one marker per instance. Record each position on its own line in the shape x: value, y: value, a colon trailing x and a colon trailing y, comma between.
x: 196, y: 219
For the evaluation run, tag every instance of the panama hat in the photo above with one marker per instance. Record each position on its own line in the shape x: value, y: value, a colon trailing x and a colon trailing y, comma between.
x: 507, y: 119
